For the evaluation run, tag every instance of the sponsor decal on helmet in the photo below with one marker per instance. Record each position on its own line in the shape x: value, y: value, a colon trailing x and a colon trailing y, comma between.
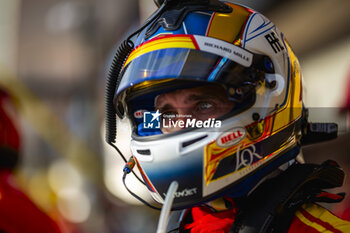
x: 231, y: 138
x: 246, y: 157
x: 224, y: 49
x: 139, y: 113
x: 274, y: 42
x: 184, y: 193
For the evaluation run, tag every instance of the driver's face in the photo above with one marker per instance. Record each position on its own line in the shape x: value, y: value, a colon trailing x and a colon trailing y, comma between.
x: 200, y: 103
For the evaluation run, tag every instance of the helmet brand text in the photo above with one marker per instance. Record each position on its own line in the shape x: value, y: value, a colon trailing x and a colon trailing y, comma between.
x: 184, y: 193
x: 231, y: 138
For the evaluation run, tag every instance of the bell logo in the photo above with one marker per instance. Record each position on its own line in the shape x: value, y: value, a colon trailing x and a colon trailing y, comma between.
x: 231, y: 138
x: 139, y: 114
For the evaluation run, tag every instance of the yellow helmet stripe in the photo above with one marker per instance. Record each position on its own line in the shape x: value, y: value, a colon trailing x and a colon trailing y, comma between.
x: 163, y: 42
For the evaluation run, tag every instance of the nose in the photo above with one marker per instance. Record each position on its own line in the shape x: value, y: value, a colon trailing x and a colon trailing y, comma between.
x: 184, y: 113
x: 179, y: 121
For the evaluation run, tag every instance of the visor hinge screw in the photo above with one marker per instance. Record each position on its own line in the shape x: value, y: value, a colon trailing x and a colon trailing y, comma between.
x: 256, y: 116
x: 271, y: 84
x: 231, y: 91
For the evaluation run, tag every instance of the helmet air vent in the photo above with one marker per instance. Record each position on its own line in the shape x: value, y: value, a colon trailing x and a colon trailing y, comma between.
x: 144, y: 152
x: 190, y: 142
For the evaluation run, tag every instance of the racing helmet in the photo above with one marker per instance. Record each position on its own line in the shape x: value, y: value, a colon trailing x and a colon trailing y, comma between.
x: 219, y: 56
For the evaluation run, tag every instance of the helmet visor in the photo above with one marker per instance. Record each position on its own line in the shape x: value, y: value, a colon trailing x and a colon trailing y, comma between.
x: 181, y: 83
x: 189, y: 64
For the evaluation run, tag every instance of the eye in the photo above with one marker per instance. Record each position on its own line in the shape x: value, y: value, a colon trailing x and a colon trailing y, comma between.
x: 205, y: 106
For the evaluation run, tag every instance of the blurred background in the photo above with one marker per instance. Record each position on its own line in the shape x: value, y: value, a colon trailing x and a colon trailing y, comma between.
x: 54, y: 56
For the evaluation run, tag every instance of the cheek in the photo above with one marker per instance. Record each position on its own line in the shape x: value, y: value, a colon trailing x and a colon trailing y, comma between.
x: 222, y: 109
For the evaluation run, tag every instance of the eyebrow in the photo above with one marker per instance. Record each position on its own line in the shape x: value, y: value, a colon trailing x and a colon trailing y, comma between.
x: 192, y: 97
x: 206, y: 96
x: 165, y: 107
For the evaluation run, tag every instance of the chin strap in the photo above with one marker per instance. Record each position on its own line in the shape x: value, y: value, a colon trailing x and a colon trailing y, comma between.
x: 271, y: 207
